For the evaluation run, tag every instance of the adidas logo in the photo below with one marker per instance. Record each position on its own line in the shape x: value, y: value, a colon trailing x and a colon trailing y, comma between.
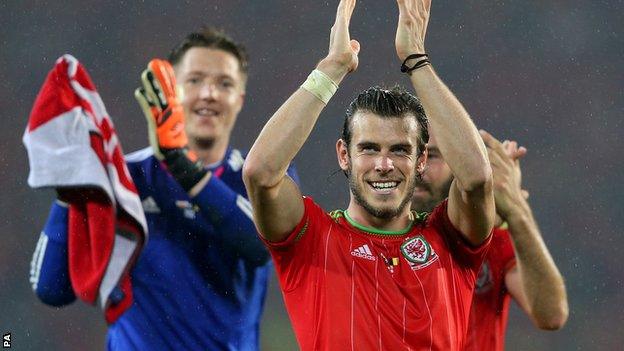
x: 150, y: 206
x: 363, y: 252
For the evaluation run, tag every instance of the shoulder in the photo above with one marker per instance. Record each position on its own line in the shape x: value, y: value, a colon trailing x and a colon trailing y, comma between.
x: 336, y: 215
x: 140, y: 156
x: 501, y: 235
x: 319, y: 218
x: 438, y: 217
x: 142, y: 165
x: 501, y: 248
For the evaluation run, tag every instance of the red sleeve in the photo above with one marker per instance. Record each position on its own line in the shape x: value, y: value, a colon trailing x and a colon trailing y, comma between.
x: 295, y: 255
x: 463, y: 252
x: 502, y: 252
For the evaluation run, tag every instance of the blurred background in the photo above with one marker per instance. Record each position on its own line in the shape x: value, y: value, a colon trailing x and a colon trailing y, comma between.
x: 549, y: 74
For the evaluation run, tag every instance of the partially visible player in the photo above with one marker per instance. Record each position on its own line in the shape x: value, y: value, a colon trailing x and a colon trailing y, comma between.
x: 528, y: 274
x: 200, y: 282
x: 373, y: 276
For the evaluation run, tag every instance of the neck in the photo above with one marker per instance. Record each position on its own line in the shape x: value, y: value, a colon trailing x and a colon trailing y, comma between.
x: 212, y: 154
x: 363, y: 217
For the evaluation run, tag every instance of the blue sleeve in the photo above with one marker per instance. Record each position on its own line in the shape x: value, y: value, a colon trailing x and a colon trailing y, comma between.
x: 292, y: 172
x: 49, y: 271
x: 230, y: 214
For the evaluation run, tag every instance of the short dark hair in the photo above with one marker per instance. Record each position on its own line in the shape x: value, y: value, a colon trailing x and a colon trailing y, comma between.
x: 392, y: 103
x: 212, y: 38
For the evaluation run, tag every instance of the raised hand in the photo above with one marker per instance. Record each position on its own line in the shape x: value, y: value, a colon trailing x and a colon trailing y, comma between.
x: 161, y: 106
x: 343, y: 51
x: 165, y: 120
x: 412, y: 27
x: 505, y: 161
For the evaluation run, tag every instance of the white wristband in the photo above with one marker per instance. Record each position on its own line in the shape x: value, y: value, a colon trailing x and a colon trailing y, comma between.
x: 320, y: 85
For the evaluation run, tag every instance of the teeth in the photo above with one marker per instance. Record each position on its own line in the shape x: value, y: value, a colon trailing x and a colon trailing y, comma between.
x: 206, y: 112
x: 384, y: 185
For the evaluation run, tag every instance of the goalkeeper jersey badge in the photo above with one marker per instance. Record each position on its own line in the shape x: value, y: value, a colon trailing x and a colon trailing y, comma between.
x: 418, y: 253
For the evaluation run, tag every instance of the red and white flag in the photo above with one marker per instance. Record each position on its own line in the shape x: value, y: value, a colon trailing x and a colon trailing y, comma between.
x: 72, y: 145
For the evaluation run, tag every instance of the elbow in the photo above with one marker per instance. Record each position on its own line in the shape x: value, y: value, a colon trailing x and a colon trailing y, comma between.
x: 257, y: 174
x: 53, y: 289
x: 479, y: 180
x: 55, y: 299
x: 554, y: 320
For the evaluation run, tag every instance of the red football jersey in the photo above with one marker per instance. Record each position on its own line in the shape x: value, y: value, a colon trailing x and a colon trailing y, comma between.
x: 490, y: 307
x: 348, y: 287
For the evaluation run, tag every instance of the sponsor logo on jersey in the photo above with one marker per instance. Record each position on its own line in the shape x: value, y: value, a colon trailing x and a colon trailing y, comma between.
x: 418, y: 252
x: 363, y: 252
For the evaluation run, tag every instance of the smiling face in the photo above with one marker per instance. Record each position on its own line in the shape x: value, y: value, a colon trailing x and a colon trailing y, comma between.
x: 436, y: 180
x: 213, y: 91
x: 382, y: 162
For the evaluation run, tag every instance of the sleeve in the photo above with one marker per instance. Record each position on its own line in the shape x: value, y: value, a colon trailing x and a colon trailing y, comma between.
x: 49, y: 271
x: 465, y: 253
x: 504, y: 251
x: 294, y: 256
x: 230, y: 213
x: 292, y: 172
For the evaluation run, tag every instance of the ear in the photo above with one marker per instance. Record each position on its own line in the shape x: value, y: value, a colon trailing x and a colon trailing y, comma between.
x: 241, y: 99
x: 342, y: 153
x: 422, y: 161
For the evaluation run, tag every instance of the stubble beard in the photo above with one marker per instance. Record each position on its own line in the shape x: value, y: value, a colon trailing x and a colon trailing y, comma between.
x: 381, y: 213
x: 203, y: 143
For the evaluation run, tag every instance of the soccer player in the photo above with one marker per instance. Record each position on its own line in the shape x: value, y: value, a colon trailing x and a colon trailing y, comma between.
x: 523, y: 270
x: 374, y: 276
x: 200, y: 282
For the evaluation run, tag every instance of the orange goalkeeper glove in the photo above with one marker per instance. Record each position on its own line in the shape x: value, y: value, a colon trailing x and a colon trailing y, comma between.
x: 165, y: 121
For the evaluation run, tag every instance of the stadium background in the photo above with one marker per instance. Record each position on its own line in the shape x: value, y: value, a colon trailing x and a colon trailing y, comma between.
x: 547, y: 73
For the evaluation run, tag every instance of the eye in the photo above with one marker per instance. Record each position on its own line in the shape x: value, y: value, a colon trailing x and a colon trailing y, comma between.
x: 193, y: 80
x: 368, y: 149
x: 226, y: 84
x: 400, y: 151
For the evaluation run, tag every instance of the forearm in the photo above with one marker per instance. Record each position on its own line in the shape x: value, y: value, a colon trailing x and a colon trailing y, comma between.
x: 49, y: 271
x: 285, y: 133
x: 542, y: 282
x: 457, y: 137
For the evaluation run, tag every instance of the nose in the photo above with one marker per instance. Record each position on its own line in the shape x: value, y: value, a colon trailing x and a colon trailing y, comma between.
x: 384, y: 164
x: 208, y: 91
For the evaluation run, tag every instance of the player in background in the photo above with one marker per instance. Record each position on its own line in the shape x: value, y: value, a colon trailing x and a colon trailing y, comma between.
x: 200, y: 282
x: 528, y: 274
x: 374, y: 276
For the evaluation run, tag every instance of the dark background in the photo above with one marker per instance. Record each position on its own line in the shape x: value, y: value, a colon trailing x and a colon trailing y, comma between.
x: 546, y: 73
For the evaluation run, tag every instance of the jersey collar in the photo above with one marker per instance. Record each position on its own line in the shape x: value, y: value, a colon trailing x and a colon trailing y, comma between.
x: 375, y: 231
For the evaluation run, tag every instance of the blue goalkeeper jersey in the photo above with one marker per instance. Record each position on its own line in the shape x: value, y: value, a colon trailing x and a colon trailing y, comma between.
x: 199, y: 283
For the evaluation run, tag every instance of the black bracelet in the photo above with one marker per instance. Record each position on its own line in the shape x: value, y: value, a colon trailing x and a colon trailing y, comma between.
x: 421, y: 63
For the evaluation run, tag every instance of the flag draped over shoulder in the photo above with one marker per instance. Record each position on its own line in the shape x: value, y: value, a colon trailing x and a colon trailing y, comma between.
x: 73, y: 147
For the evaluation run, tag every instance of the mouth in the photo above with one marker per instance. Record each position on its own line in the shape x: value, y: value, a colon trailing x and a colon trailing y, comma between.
x: 206, y: 112
x: 384, y: 187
